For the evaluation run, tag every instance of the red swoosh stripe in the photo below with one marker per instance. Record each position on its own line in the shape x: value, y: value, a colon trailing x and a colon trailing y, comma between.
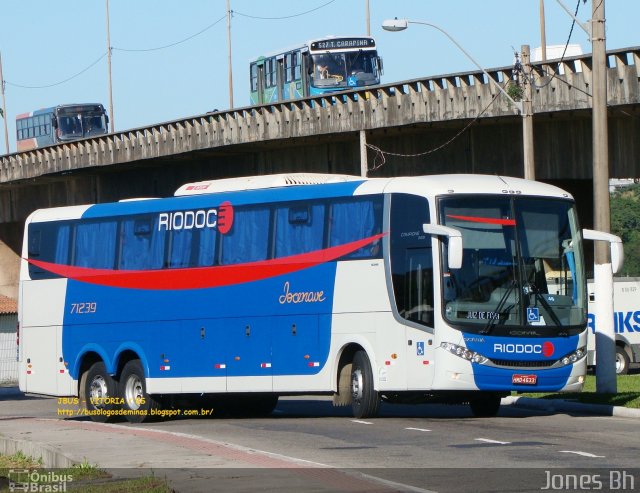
x: 203, y: 277
x: 485, y: 220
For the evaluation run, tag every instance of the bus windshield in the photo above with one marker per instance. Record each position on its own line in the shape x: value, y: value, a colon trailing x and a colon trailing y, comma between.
x: 347, y: 69
x: 74, y: 126
x: 521, y: 265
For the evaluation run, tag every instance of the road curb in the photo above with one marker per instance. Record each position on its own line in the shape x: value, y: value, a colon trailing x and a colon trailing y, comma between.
x: 50, y: 457
x: 553, y: 405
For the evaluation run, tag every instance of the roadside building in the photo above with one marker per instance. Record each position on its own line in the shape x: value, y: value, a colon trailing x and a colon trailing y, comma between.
x: 8, y: 348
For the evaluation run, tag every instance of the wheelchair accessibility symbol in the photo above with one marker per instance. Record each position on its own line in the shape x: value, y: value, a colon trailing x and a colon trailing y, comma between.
x: 533, y: 314
x: 420, y: 348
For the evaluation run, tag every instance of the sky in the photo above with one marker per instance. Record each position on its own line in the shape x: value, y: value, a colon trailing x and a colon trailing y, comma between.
x: 180, y: 66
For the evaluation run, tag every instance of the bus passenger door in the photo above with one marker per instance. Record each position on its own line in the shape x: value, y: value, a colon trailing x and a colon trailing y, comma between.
x: 281, y: 95
x: 249, y: 361
x: 419, y: 308
x: 261, y: 84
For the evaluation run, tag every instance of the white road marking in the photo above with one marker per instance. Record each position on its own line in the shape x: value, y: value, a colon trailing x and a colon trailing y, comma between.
x: 417, y: 429
x: 488, y: 440
x: 584, y: 454
x: 361, y: 422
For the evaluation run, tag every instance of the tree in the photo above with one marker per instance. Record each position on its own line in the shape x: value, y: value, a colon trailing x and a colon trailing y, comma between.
x: 625, y: 222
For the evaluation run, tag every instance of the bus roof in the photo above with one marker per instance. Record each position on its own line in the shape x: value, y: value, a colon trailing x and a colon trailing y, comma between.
x: 260, y: 182
x: 308, y: 45
x: 261, y: 189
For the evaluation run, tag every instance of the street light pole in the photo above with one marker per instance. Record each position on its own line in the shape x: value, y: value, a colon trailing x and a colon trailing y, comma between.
x: 527, y: 134
x: 402, y: 24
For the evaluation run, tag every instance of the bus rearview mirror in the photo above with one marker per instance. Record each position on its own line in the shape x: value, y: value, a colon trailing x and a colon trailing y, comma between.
x: 455, y: 242
x: 615, y: 246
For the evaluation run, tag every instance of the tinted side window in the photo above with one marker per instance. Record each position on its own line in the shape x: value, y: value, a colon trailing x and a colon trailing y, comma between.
x: 48, y: 242
x: 299, y: 229
x: 411, y: 258
x: 95, y: 244
x: 356, y: 219
x: 141, y: 243
x: 248, y: 240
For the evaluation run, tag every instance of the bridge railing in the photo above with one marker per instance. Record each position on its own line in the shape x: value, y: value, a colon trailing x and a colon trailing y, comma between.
x: 560, y: 85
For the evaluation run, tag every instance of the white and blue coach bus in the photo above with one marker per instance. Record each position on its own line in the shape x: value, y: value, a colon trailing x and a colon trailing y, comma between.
x: 410, y: 289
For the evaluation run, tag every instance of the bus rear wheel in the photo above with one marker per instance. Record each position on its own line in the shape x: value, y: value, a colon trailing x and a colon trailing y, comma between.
x: 98, y: 392
x: 138, y: 405
x: 365, y: 400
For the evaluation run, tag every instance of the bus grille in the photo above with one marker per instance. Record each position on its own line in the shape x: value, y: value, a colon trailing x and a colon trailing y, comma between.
x: 523, y: 364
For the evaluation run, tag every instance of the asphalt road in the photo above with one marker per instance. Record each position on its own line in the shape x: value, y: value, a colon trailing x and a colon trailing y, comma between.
x: 311, y: 429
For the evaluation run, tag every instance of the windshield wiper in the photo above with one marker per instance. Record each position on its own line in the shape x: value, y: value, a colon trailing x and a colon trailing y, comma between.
x: 490, y: 324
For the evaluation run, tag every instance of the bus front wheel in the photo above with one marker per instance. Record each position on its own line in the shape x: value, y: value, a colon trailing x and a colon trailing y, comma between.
x: 485, y: 406
x: 98, y: 392
x: 137, y: 404
x: 365, y: 400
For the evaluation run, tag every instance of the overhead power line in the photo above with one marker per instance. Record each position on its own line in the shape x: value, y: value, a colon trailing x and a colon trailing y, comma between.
x: 172, y: 44
x: 284, y: 16
x: 24, y: 86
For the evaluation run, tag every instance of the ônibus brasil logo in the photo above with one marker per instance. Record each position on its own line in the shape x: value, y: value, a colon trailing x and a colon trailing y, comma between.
x: 546, y: 349
x: 220, y: 218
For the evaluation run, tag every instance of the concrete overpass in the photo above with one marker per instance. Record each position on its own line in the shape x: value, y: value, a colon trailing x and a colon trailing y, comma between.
x: 454, y: 122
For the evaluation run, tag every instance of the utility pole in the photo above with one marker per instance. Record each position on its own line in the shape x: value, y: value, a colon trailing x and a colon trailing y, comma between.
x: 527, y: 116
x: 543, y: 33
x: 229, y: 54
x: 111, y: 116
x: 4, y: 110
x: 605, y: 334
x: 368, y: 17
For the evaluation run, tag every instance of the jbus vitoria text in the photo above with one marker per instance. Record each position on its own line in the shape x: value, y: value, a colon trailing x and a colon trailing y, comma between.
x: 410, y: 289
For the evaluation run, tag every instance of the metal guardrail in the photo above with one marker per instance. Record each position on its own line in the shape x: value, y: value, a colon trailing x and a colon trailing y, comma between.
x: 561, y: 85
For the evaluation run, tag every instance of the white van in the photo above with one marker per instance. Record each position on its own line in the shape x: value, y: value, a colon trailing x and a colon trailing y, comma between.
x: 626, y: 307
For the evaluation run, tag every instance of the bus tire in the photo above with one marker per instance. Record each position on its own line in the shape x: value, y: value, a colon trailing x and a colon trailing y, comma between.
x: 98, y: 393
x: 365, y: 400
x: 486, y: 406
x: 138, y: 406
x: 622, y: 361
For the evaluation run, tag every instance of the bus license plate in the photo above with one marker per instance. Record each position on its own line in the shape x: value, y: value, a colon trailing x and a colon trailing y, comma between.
x: 524, y: 379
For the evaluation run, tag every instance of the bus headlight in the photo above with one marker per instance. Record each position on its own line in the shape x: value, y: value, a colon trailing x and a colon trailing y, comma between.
x: 577, y: 355
x: 464, y: 353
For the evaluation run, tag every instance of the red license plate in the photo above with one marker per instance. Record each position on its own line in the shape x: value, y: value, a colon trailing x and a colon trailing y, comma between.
x: 524, y: 379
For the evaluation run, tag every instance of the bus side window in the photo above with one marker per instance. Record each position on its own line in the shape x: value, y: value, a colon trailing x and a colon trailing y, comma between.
x: 353, y: 220
x: 94, y: 244
x: 412, y: 259
x: 248, y: 240
x: 48, y: 242
x: 299, y: 229
x: 142, y: 244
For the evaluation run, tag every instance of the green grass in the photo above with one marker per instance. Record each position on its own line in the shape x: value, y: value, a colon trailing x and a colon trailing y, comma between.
x: 628, y: 394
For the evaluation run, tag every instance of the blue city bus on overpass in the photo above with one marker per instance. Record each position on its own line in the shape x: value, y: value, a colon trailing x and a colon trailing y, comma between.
x: 313, y: 68
x: 63, y: 123
x: 409, y: 289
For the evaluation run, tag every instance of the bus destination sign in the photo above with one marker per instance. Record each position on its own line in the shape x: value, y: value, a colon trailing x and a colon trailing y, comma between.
x: 342, y: 43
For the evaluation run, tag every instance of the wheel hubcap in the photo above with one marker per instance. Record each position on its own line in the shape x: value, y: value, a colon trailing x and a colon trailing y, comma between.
x: 619, y: 363
x: 98, y: 391
x: 133, y: 392
x: 356, y: 385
